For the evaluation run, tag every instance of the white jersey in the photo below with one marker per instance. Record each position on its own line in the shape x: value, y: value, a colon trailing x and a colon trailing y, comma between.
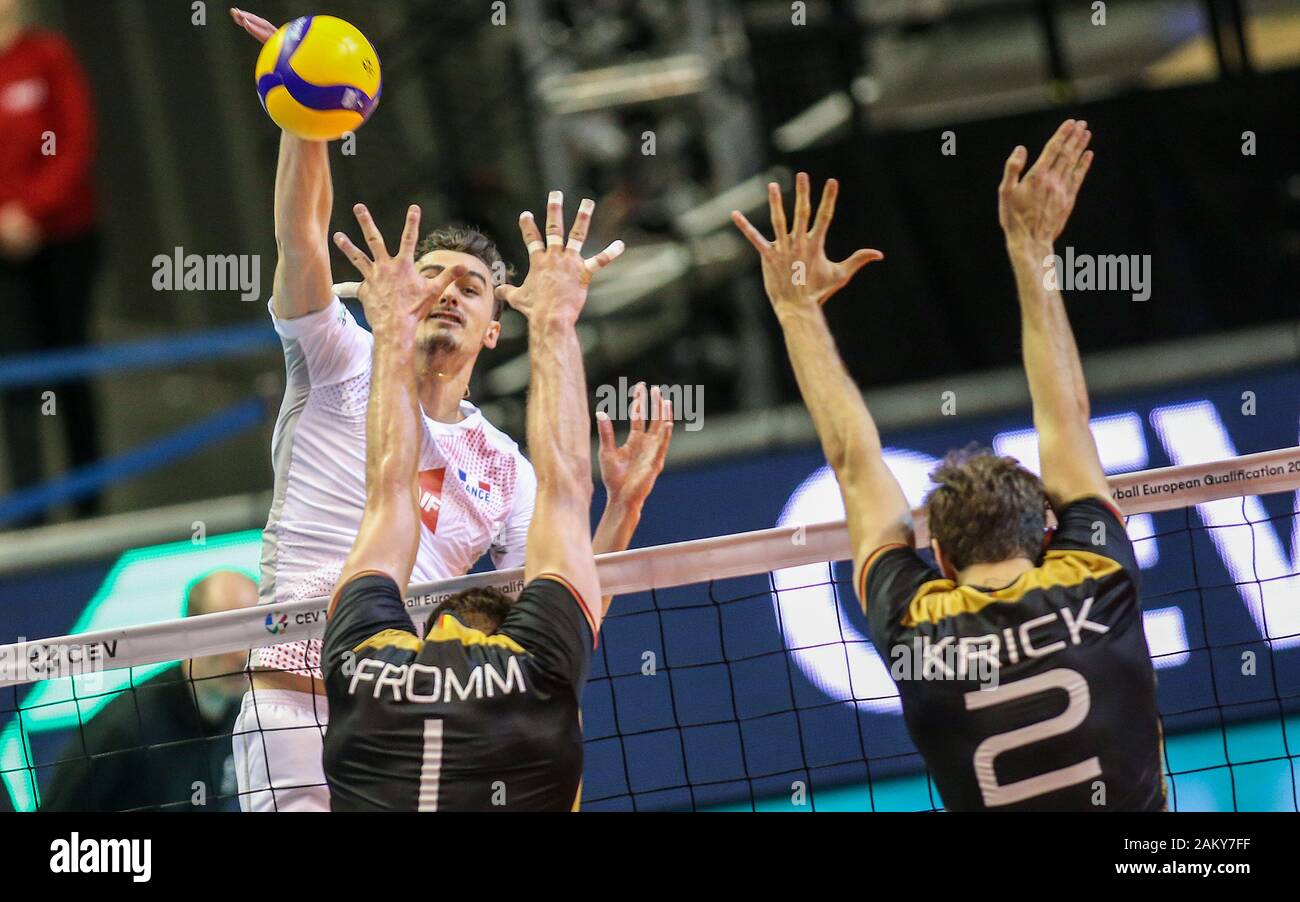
x: 476, y: 489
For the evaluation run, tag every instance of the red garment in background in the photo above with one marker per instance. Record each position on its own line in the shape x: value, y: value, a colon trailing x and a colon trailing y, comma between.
x: 43, y: 88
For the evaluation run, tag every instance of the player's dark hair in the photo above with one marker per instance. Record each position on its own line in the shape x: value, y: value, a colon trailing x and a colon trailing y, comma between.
x: 482, y: 609
x: 469, y: 240
x: 985, y: 509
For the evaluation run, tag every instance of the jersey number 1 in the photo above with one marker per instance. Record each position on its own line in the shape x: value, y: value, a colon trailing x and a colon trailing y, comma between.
x: 430, y: 766
x: 995, y: 793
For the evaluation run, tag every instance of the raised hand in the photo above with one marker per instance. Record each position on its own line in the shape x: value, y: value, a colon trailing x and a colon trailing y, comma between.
x: 1033, y: 210
x: 393, y: 293
x: 557, y: 275
x: 256, y: 26
x: 796, y: 270
x: 629, y: 472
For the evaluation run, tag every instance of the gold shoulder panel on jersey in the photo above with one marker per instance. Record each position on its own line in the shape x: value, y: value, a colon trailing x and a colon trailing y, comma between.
x: 942, y: 598
x: 449, y: 629
x: 403, y: 639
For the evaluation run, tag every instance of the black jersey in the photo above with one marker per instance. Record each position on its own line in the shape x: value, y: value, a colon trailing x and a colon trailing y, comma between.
x: 459, y: 720
x: 1036, y: 696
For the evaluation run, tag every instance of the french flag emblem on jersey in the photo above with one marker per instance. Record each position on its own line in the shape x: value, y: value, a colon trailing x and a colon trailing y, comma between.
x: 476, y: 487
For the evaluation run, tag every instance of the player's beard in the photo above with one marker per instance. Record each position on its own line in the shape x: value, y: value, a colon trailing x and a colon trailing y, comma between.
x: 434, y: 341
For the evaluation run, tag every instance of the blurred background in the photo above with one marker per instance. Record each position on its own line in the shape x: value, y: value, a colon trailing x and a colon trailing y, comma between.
x: 670, y: 113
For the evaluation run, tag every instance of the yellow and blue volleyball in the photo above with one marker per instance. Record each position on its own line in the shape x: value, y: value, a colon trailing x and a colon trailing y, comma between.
x: 318, y: 78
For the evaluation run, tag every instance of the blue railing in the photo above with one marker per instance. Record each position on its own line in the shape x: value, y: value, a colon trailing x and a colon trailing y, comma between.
x: 67, y: 364
x: 64, y: 364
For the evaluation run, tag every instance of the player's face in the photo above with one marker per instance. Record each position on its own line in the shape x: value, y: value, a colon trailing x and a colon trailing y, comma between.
x: 461, y: 320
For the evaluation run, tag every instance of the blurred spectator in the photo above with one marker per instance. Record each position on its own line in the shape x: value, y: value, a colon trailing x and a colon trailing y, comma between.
x: 49, y: 244
x: 149, y: 746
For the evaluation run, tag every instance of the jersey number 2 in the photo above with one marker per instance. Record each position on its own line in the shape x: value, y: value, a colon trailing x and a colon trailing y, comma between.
x: 995, y: 793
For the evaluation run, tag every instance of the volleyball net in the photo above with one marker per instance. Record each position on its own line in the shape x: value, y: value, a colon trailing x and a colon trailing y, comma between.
x: 732, y: 672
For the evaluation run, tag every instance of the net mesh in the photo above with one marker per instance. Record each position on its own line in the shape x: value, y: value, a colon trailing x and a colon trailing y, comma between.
x: 762, y: 692
x: 767, y: 695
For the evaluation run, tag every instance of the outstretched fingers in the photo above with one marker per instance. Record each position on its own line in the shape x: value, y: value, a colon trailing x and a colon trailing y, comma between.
x: 578, y: 234
x: 1076, y: 177
x: 637, y: 412
x: 354, y: 254
x: 747, y: 229
x: 1071, y: 150
x: 256, y: 26
x: 604, y: 258
x: 555, y: 219
x: 410, y: 233
x: 509, y: 295
x: 1015, y: 165
x: 859, y: 259
x: 777, y: 207
x: 662, y: 431
x: 826, y: 209
x: 605, y: 427
x: 370, y: 232
x: 531, y: 234
x: 802, y: 204
x: 1055, y: 144
x: 438, y: 285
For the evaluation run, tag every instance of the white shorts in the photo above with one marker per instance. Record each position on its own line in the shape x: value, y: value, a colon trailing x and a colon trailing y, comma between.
x: 279, y: 738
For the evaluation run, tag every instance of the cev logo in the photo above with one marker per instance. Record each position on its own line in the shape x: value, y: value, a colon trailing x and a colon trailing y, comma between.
x: 276, y: 624
x: 841, y: 662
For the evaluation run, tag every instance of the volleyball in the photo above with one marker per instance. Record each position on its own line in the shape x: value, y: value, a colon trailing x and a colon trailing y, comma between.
x: 318, y: 77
